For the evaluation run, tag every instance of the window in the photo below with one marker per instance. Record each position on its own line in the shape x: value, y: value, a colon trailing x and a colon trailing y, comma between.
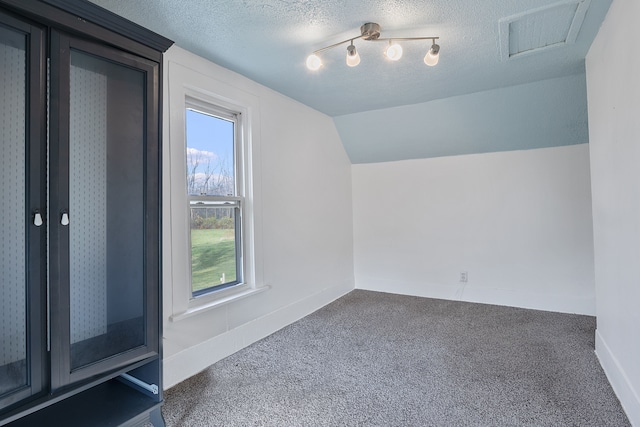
x: 215, y: 196
x: 193, y: 95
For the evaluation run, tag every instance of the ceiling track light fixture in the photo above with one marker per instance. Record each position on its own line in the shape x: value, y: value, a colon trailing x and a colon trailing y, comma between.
x: 371, y: 32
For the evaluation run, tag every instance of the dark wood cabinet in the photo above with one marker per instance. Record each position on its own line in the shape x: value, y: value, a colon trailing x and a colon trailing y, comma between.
x: 80, y: 188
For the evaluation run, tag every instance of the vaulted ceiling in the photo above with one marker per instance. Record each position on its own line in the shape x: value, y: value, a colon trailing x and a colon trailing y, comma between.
x: 486, y: 45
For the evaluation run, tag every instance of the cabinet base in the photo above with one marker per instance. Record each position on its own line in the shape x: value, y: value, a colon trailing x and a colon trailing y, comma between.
x: 107, y: 405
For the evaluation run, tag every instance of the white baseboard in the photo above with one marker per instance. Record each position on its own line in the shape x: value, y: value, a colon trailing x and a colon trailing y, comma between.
x: 620, y: 383
x: 182, y: 365
x: 472, y: 293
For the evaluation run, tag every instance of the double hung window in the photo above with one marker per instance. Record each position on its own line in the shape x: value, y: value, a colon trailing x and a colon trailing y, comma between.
x: 215, y: 196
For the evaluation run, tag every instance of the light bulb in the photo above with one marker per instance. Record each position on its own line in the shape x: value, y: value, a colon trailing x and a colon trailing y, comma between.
x: 431, y: 58
x: 353, y: 57
x: 393, y: 52
x: 314, y: 62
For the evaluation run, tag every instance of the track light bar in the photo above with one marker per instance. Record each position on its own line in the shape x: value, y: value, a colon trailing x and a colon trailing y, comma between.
x: 371, y: 32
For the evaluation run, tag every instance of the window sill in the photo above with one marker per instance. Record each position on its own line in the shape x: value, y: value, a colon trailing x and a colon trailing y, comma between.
x: 208, y: 302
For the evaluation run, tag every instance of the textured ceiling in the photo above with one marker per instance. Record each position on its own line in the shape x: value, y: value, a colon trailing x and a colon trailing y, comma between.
x: 510, y: 76
x: 269, y: 40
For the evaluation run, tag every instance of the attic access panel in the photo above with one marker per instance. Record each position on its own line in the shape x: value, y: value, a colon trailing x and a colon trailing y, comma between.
x: 540, y: 29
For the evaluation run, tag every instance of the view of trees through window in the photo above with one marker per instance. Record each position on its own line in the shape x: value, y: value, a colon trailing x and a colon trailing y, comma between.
x: 213, y: 202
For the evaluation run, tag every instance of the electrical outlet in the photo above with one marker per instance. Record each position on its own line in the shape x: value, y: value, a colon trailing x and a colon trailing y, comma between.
x: 464, y: 277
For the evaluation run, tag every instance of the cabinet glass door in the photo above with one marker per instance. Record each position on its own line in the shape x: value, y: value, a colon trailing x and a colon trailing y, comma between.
x: 13, y: 268
x: 102, y: 211
x: 22, y: 211
x: 106, y: 209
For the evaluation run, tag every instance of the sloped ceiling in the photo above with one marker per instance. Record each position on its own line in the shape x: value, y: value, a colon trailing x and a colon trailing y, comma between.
x: 485, y: 45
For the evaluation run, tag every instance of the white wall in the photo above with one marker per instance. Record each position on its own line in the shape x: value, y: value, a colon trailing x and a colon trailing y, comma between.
x: 613, y: 82
x: 518, y: 222
x: 304, y: 243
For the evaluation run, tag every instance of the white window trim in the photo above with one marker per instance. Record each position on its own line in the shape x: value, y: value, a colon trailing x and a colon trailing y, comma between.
x: 184, y: 83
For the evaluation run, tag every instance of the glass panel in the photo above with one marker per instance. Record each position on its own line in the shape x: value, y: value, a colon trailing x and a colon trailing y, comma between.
x: 13, y: 304
x: 214, y: 210
x: 214, y: 249
x: 210, y: 155
x: 106, y: 208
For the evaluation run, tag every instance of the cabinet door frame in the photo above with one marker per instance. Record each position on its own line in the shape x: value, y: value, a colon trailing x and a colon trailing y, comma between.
x: 61, y: 372
x: 35, y: 199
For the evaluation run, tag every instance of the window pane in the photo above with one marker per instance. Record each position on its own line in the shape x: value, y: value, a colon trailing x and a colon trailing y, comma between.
x: 13, y: 304
x: 214, y: 245
x: 210, y: 155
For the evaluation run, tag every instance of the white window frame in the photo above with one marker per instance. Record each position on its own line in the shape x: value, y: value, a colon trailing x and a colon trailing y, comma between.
x: 237, y: 198
x: 190, y: 88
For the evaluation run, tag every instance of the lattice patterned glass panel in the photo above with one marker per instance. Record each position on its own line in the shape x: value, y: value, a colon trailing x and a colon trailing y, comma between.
x: 106, y: 208
x: 13, y: 313
x: 88, y: 203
